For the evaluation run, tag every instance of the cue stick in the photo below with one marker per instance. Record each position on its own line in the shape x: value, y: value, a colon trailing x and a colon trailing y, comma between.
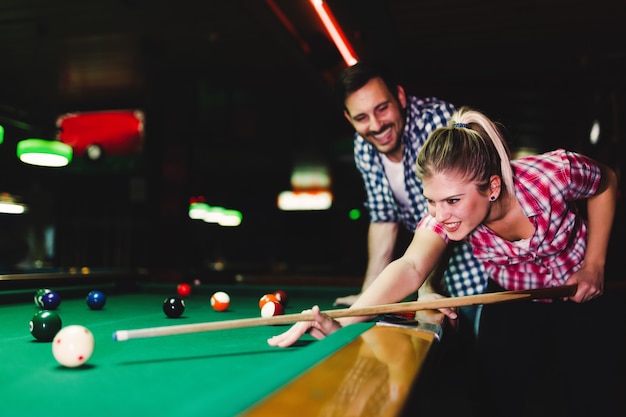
x: 403, y: 307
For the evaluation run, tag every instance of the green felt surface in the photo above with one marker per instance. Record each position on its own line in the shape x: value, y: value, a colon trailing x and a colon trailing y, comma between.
x: 218, y: 373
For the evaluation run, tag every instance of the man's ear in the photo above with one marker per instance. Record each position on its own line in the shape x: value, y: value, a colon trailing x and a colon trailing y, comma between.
x: 347, y: 116
x: 402, y: 97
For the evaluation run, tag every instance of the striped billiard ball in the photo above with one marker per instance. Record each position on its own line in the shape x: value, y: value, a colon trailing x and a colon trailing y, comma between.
x: 220, y: 301
x: 267, y: 298
x: 272, y: 308
x: 38, y: 297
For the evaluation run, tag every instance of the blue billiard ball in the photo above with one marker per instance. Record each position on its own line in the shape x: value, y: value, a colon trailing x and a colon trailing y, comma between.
x: 96, y: 300
x: 51, y: 300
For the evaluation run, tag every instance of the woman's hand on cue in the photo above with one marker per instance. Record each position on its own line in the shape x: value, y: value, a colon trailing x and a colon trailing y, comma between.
x: 319, y: 328
x: 430, y: 296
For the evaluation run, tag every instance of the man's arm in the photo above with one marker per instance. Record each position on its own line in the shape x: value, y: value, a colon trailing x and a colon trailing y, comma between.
x: 434, y: 288
x: 381, y: 241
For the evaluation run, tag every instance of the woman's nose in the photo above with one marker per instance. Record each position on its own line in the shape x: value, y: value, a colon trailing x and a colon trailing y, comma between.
x: 440, y: 214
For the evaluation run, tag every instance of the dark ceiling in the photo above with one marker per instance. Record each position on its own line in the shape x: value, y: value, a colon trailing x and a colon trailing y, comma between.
x: 70, y: 55
x: 235, y: 90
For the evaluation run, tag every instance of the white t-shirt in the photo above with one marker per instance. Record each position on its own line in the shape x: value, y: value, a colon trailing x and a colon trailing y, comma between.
x: 394, y: 171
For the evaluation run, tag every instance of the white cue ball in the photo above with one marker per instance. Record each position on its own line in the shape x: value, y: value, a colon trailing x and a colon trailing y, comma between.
x: 73, y: 345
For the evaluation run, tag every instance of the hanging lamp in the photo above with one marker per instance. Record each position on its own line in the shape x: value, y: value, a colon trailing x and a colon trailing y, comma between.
x: 42, y: 152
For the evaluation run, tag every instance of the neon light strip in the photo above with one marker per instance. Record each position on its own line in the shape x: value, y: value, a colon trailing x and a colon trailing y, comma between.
x: 335, y: 32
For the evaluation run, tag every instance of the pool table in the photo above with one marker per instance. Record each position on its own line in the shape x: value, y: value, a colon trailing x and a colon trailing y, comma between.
x: 363, y: 369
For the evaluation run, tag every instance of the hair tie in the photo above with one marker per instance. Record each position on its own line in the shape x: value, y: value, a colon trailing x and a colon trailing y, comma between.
x: 465, y: 125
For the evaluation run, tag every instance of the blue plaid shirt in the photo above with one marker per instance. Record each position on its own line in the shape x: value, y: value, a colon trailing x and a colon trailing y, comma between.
x: 464, y: 275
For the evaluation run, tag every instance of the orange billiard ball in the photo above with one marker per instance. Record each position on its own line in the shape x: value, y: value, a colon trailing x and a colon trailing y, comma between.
x: 272, y: 308
x: 267, y: 298
x: 220, y: 301
x: 183, y: 289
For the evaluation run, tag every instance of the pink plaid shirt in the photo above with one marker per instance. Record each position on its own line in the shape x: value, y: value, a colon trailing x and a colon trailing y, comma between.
x: 546, y: 187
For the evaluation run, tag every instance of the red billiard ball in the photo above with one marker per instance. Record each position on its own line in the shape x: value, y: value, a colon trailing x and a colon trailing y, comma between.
x: 267, y: 298
x: 44, y: 325
x: 173, y: 307
x: 183, y: 289
x: 282, y: 297
x: 220, y: 301
x: 272, y: 308
x: 51, y: 300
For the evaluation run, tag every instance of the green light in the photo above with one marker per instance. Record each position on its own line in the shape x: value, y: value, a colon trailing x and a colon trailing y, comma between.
x: 354, y: 214
x: 214, y: 215
x: 1, y: 134
x: 198, y: 210
x: 49, y: 153
x: 230, y: 218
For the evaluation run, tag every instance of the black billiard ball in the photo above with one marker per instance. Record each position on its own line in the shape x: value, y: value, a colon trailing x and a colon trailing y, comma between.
x: 51, y: 300
x: 44, y: 325
x: 173, y: 307
x: 96, y: 300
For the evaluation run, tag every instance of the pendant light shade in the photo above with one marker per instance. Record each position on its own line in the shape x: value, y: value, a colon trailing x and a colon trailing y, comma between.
x: 42, y: 152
